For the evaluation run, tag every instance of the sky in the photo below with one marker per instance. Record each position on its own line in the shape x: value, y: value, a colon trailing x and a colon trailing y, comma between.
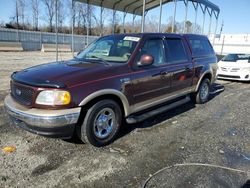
x: 234, y: 14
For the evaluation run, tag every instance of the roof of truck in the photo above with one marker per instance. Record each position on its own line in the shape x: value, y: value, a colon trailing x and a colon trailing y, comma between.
x: 160, y: 34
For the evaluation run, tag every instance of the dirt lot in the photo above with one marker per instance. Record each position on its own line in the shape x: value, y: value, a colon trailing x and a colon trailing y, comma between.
x: 194, y: 145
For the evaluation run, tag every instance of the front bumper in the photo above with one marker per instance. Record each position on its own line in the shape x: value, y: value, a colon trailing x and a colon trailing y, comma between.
x: 51, y: 123
x: 242, y: 76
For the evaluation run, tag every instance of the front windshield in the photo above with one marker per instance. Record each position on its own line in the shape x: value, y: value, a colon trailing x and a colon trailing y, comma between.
x: 236, y: 57
x: 114, y: 49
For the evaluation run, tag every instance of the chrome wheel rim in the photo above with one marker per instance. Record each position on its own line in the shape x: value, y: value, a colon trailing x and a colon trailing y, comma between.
x: 204, y: 91
x: 104, y: 123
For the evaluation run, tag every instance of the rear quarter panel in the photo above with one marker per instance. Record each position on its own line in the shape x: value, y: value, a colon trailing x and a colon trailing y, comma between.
x: 203, y: 63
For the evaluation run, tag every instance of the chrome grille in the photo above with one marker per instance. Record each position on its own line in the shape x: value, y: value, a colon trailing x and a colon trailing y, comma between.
x: 22, y: 93
x: 235, y: 69
x: 228, y: 69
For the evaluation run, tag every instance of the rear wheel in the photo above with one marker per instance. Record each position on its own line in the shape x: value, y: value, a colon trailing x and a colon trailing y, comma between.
x: 101, y: 123
x: 202, y: 95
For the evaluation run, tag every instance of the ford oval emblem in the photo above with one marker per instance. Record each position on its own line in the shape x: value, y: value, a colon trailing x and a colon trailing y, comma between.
x: 18, y: 92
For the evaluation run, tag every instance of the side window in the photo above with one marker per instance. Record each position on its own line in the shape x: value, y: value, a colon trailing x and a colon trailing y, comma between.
x: 175, y: 51
x: 208, y: 47
x: 201, y: 47
x: 124, y: 48
x: 155, y: 48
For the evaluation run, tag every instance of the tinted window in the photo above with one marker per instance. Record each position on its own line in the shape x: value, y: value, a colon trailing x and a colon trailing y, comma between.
x: 201, y: 47
x: 175, y: 51
x: 155, y: 48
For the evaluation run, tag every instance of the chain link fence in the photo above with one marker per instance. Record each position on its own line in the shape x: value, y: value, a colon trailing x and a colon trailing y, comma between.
x: 33, y: 40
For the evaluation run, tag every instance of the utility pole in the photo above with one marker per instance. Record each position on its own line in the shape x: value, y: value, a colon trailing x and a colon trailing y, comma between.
x: 222, y: 46
x: 222, y: 25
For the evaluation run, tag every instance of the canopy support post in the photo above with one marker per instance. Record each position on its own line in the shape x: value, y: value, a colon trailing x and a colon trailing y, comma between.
x: 72, y: 28
x: 210, y: 23
x: 159, y: 24
x: 203, y: 23
x: 88, y: 27
x: 195, y: 19
x: 56, y: 30
x: 123, y: 24
x: 204, y: 17
x: 215, y: 29
x: 173, y: 21
x: 186, y: 13
x: 143, y: 16
x: 113, y: 24
x: 134, y: 16
x: 101, y: 20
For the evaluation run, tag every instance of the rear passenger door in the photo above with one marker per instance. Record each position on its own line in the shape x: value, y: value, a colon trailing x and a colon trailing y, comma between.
x: 179, y: 64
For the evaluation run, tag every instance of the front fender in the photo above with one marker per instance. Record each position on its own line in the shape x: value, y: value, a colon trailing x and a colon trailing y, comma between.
x: 103, y: 92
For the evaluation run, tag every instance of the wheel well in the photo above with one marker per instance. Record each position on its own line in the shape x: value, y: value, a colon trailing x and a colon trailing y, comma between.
x: 208, y: 76
x: 85, y: 107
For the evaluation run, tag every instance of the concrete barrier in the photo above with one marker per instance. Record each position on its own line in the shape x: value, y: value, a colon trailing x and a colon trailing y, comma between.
x: 52, y: 48
x: 11, y: 46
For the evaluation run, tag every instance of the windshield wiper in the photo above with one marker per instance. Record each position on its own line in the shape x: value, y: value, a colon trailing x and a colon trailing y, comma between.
x: 101, y: 60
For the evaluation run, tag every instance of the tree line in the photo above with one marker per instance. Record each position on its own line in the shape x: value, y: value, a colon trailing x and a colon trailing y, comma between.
x: 39, y: 15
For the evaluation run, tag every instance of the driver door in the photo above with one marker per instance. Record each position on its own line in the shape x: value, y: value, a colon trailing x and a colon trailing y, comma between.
x: 152, y: 82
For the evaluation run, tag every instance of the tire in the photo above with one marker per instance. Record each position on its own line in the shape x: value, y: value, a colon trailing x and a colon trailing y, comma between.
x: 202, y: 95
x: 101, y: 123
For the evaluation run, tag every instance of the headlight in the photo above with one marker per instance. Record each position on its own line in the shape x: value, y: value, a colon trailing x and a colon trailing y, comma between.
x: 246, y: 69
x: 53, y: 97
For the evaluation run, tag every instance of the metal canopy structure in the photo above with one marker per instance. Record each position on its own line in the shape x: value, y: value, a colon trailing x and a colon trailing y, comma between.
x: 136, y: 6
x: 141, y: 7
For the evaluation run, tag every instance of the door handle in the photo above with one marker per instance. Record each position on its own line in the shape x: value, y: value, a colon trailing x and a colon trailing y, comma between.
x: 187, y: 68
x: 162, y: 73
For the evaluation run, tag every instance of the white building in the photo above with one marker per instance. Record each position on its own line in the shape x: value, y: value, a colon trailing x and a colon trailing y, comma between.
x: 231, y: 43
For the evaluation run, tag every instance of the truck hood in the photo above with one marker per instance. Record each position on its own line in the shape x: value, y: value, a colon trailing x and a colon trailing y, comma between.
x: 57, y: 74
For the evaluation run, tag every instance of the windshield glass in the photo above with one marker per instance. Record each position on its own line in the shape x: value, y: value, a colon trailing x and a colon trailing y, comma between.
x: 236, y: 57
x: 114, y: 49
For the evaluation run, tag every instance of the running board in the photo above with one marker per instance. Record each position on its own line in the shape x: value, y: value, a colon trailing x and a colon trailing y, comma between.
x: 135, y: 119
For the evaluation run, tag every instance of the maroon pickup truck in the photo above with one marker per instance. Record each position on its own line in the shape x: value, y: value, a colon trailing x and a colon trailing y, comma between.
x: 119, y: 77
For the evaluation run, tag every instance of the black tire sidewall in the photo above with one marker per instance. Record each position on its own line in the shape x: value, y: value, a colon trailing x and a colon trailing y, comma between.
x: 87, y: 130
x: 198, y: 97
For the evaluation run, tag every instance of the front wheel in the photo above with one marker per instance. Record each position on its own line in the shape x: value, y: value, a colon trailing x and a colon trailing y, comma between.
x: 202, y: 95
x: 101, y: 123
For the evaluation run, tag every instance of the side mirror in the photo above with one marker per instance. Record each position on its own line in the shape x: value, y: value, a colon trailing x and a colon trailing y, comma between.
x: 145, y: 60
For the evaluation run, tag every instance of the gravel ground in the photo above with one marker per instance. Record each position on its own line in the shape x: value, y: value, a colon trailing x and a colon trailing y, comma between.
x: 192, y: 146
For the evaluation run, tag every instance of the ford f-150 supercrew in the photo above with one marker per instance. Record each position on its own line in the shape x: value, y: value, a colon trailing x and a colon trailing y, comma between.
x: 119, y: 77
